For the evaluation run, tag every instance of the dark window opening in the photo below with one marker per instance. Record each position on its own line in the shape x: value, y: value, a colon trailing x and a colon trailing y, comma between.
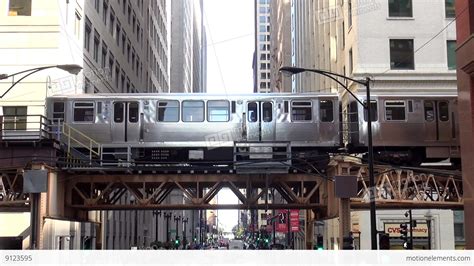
x: 400, y: 8
x: 402, y: 54
x: 83, y: 112
x: 301, y: 111
x: 58, y: 111
x: 373, y: 111
x: 252, y: 112
x: 19, y: 8
x: 267, y: 111
x: 326, y: 113
x: 118, y: 112
x: 429, y: 111
x: 443, y: 113
x: 133, y: 112
x: 14, y: 117
x: 395, y: 110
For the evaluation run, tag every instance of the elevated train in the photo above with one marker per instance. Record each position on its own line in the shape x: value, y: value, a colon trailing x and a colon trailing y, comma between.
x: 296, y: 129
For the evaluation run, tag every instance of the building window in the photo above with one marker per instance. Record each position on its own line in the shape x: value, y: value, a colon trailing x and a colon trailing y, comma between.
x: 301, y: 111
x: 104, y: 55
x: 19, y: 8
x: 96, y: 46
x: 97, y: 5
x: 111, y: 65
x: 112, y: 22
x: 402, y: 54
x: 105, y: 9
x: 349, y: 11
x: 14, y: 117
x: 395, y: 110
x: 193, y: 111
x: 217, y: 111
x: 449, y: 8
x: 118, y: 29
x: 168, y: 111
x: 351, y: 61
x: 87, y: 34
x: 400, y: 8
x: 326, y: 113
x: 83, y: 112
x: 451, y: 45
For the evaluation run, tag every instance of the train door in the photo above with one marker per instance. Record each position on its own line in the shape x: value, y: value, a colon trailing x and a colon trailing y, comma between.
x: 437, y: 121
x: 260, y: 121
x: 126, y: 122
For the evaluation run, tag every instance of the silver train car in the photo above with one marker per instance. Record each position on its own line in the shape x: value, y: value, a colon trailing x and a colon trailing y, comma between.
x: 407, y: 129
x: 200, y: 128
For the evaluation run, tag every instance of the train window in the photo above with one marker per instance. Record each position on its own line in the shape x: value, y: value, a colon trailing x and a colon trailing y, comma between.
x: 285, y: 107
x: 429, y: 111
x: 233, y: 107
x: 83, y: 111
x: 395, y: 110
x: 410, y: 106
x: 133, y: 112
x: 217, y: 111
x: 301, y: 111
x: 326, y: 113
x: 267, y: 111
x: 58, y: 111
x: 373, y: 110
x: 168, y: 111
x: 193, y: 111
x: 99, y: 108
x: 252, y: 111
x: 118, y: 112
x: 443, y: 113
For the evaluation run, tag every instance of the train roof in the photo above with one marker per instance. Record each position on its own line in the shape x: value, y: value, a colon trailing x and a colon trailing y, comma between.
x: 194, y: 95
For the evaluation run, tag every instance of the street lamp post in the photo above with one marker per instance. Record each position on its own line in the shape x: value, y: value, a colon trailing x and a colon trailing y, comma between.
x: 71, y: 68
x: 156, y: 214
x: 185, y: 221
x: 177, y: 219
x: 167, y: 217
x: 370, y: 153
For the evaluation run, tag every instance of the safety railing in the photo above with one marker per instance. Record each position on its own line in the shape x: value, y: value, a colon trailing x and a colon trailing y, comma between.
x: 75, y: 140
x: 18, y: 128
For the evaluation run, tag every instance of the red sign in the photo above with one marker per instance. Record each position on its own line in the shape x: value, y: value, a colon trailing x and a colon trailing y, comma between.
x: 295, y: 220
x: 282, y: 221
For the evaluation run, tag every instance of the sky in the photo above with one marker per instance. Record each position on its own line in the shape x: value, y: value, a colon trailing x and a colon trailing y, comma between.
x: 230, y: 37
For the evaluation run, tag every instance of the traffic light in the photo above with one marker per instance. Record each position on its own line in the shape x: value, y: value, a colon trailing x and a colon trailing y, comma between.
x: 384, y: 241
x: 348, y: 242
x: 404, y: 235
x: 176, y: 243
x: 319, y: 242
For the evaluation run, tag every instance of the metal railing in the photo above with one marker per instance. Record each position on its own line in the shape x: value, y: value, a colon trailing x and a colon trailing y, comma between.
x: 19, y: 128
x: 74, y: 139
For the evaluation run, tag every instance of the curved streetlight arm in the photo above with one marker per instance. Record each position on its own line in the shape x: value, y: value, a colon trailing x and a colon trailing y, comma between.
x: 71, y: 68
x: 342, y: 85
x: 331, y: 75
x: 22, y: 78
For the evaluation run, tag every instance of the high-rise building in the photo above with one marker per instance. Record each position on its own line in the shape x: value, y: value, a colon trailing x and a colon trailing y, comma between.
x: 261, y: 61
x: 121, y: 45
x: 465, y: 75
x: 187, y: 46
x: 280, y: 44
x: 360, y: 38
